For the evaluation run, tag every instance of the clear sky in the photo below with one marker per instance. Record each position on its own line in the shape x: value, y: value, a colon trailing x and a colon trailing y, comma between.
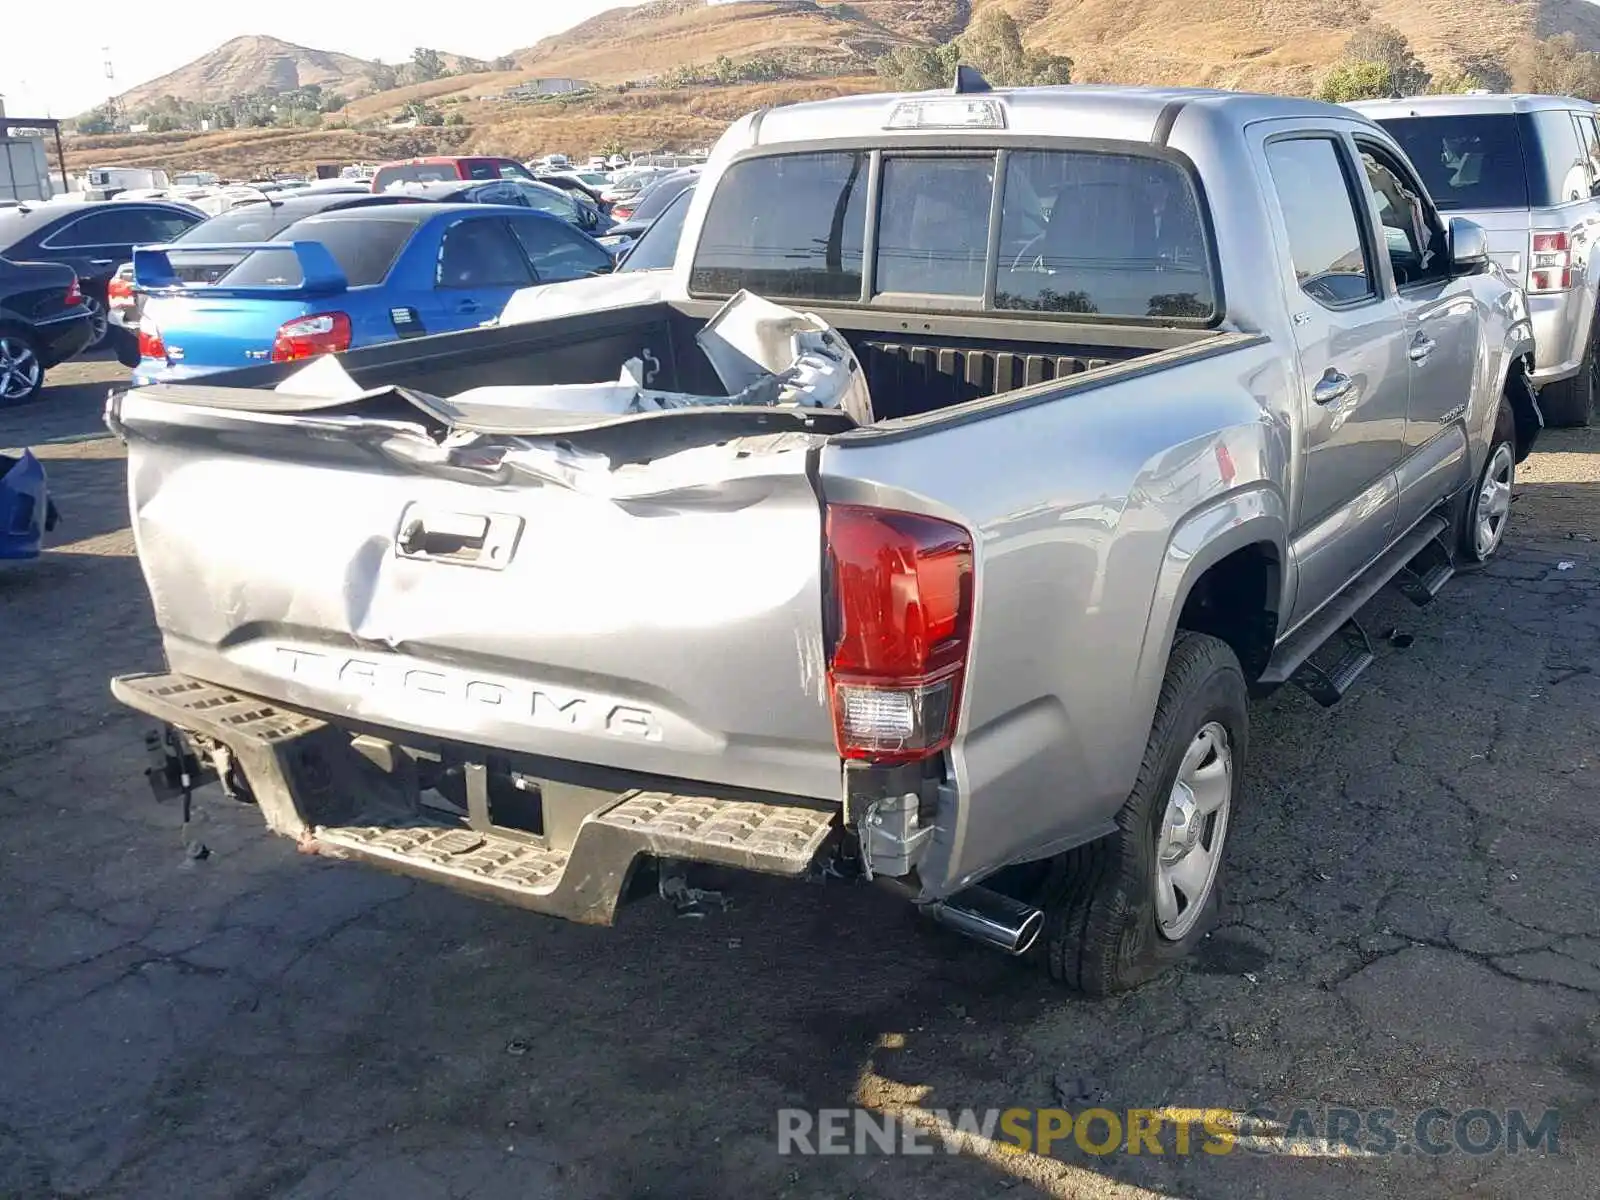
x: 52, y: 59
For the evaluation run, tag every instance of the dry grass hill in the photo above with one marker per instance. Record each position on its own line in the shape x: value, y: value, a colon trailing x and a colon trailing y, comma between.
x: 251, y: 63
x: 826, y: 48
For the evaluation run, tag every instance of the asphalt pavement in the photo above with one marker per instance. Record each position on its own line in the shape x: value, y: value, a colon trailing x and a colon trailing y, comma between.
x: 1411, y: 927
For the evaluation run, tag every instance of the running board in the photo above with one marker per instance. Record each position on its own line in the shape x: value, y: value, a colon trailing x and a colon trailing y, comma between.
x: 1421, y: 579
x: 313, y: 785
x: 1296, y: 649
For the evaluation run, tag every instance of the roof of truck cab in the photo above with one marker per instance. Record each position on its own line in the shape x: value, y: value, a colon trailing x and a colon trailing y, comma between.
x: 1085, y: 110
x: 1465, y: 105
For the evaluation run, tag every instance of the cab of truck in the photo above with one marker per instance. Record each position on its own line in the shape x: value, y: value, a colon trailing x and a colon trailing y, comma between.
x: 1527, y: 169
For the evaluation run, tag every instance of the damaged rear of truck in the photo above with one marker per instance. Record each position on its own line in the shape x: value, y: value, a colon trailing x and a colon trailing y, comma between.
x: 951, y: 569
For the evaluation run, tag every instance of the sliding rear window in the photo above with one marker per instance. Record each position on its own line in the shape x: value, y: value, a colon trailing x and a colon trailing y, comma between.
x: 1079, y: 231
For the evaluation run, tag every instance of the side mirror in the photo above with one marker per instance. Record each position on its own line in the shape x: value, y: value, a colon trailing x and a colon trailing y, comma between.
x: 1469, y: 247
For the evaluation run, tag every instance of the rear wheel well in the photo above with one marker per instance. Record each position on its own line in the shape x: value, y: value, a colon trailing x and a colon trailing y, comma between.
x: 1236, y: 601
x: 1519, y: 393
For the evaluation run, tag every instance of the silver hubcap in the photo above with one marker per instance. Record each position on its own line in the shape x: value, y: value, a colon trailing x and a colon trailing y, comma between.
x: 1189, y: 842
x: 1494, y: 501
x: 19, y: 369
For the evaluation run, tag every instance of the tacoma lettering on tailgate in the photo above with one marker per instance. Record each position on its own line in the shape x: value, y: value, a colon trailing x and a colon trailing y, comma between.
x: 540, y: 706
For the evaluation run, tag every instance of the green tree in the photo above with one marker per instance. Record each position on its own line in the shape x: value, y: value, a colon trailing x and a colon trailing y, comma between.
x: 1356, y: 81
x: 993, y: 45
x: 455, y: 118
x: 1559, y: 66
x: 1453, y: 82
x: 920, y: 68
x: 505, y: 63
x: 1379, y: 43
x: 424, y: 114
x: 426, y: 64
x: 98, y: 120
x: 384, y: 77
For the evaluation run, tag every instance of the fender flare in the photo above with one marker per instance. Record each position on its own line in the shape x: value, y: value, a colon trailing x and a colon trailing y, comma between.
x: 1517, y: 352
x: 1252, y: 516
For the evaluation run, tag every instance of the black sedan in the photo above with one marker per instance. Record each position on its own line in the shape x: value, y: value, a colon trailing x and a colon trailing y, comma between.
x: 93, y: 239
x: 43, y: 320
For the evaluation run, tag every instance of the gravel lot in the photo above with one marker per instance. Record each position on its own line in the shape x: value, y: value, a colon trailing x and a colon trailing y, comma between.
x: 1412, y: 923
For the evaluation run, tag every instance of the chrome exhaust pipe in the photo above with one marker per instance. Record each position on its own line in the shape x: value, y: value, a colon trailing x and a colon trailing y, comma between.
x: 988, y: 917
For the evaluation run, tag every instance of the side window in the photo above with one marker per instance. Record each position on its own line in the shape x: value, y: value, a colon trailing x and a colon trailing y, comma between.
x: 482, y: 170
x: 156, y: 226
x: 1589, y: 136
x: 108, y: 227
x: 557, y: 253
x: 1554, y: 147
x: 480, y: 252
x: 1319, y: 211
x: 1412, y: 236
x: 511, y: 170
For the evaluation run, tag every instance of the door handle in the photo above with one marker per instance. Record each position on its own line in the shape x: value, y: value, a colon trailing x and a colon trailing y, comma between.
x: 1334, y: 385
x: 102, y: 262
x: 467, y: 306
x: 1421, y: 346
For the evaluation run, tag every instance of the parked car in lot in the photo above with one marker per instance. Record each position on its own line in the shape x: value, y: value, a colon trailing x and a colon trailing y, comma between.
x: 437, y: 167
x: 1527, y: 169
x: 643, y: 275
x: 91, y: 238
x: 586, y: 184
x: 1150, y: 392
x: 650, y: 205
x: 523, y: 193
x: 44, y: 320
x: 350, y: 277
x: 248, y: 223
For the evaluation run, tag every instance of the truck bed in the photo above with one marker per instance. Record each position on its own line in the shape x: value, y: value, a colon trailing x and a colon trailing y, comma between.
x: 914, y: 365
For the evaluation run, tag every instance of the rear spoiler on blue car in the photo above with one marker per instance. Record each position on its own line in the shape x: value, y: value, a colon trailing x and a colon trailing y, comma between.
x: 319, y: 272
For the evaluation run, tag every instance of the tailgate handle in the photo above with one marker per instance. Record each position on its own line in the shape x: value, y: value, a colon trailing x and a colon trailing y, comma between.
x: 471, y: 539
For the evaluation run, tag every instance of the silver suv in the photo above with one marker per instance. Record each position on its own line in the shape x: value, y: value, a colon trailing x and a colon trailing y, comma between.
x: 1527, y: 169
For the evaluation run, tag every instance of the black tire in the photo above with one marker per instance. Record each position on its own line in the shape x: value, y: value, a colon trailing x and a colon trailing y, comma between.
x: 1479, y: 533
x: 17, y: 341
x: 124, y: 344
x: 1570, y: 402
x: 1101, y: 933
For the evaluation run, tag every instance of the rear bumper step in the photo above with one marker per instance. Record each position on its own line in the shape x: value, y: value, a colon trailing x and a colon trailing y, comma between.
x: 292, y: 761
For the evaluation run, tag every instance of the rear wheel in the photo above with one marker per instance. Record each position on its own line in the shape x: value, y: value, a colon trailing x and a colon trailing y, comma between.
x: 1571, y: 401
x: 1122, y: 910
x: 21, y: 368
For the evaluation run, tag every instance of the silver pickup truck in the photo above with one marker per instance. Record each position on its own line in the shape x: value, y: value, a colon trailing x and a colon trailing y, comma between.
x: 1164, y: 386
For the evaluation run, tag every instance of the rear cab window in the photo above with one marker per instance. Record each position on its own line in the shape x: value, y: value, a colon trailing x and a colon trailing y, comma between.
x: 365, y: 249
x: 1024, y: 231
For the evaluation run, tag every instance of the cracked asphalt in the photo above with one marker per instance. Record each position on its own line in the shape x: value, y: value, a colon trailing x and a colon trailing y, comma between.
x: 1411, y: 925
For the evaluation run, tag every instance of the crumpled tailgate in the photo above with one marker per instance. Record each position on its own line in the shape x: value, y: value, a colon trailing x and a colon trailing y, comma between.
x: 664, y: 616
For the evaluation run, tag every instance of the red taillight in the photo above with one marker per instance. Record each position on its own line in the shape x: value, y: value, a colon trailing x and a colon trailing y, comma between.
x: 1550, y: 265
x: 306, y: 337
x: 902, y: 615
x: 119, y: 293
x: 150, y: 343
x: 74, y: 294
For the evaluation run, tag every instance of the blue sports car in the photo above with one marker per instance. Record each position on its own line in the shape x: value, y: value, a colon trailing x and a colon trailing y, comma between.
x: 354, y: 277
